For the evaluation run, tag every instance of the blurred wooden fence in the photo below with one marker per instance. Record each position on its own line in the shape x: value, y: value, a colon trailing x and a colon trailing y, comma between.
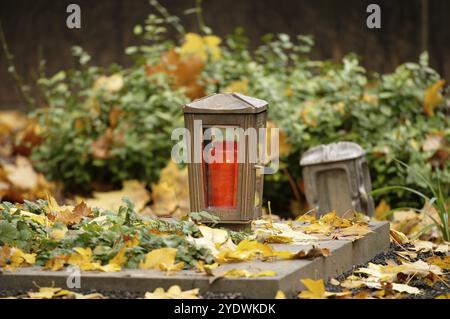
x: 36, y: 29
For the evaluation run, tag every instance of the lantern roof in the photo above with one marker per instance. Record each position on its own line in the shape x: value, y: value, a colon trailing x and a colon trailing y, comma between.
x: 226, y: 103
x: 334, y: 152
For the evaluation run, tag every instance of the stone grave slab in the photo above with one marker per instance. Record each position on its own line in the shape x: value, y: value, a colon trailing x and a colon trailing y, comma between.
x: 344, y: 255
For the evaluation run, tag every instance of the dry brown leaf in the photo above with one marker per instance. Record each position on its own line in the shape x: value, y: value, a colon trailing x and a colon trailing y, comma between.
x: 72, y: 216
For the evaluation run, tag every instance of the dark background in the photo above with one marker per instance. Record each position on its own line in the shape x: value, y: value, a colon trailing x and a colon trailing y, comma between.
x: 37, y: 28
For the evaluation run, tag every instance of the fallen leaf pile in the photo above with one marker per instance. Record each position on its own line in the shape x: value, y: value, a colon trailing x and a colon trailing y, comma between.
x: 334, y: 227
x: 18, y: 179
x: 57, y: 293
x: 410, y: 222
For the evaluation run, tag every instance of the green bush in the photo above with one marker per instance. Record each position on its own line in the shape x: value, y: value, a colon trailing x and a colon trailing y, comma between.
x: 314, y: 102
x: 317, y: 102
x: 101, y: 129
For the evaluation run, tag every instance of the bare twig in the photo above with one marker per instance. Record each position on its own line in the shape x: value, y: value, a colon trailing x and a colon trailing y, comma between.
x: 29, y: 101
x: 173, y: 20
x: 199, y: 13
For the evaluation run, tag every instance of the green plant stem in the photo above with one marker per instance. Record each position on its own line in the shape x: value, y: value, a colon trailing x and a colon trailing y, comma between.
x: 29, y: 101
x: 200, y: 20
x: 169, y: 18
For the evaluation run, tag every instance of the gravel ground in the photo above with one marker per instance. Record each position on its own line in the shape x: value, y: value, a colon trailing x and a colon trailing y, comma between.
x: 428, y: 292
x: 437, y: 289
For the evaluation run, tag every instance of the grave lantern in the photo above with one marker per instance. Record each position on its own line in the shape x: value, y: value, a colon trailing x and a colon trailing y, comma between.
x: 336, y: 177
x: 225, y: 177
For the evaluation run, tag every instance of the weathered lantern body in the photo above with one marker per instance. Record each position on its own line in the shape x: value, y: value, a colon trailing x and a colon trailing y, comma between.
x: 231, y: 189
x: 336, y: 177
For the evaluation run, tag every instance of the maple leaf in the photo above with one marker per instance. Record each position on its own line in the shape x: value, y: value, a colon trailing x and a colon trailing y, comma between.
x: 74, y: 216
x: 174, y: 292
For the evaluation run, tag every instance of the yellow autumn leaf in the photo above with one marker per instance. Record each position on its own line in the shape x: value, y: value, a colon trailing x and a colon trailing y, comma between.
x: 315, y: 289
x: 201, y: 47
x: 162, y: 259
x: 170, y: 195
x: 399, y: 237
x: 240, y: 86
x: 82, y: 257
x: 245, y: 250
x: 56, y: 263
x: 44, y: 293
x: 58, y: 233
x: 433, y: 97
x: 206, y: 268
x: 381, y: 210
x: 214, y: 239
x: 446, y: 296
x: 442, y: 262
x: 243, y: 273
x: 174, y: 292
x: 306, y: 218
x: 55, y: 292
x: 134, y: 190
x: 280, y: 295
x: 40, y: 219
x: 116, y: 263
x: 20, y: 258
x: 334, y: 220
x: 317, y: 228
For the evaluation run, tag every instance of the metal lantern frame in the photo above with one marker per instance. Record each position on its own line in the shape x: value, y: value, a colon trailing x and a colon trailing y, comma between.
x: 227, y: 110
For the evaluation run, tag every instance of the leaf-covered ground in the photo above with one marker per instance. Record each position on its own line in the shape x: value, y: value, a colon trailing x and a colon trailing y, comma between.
x: 54, y: 236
